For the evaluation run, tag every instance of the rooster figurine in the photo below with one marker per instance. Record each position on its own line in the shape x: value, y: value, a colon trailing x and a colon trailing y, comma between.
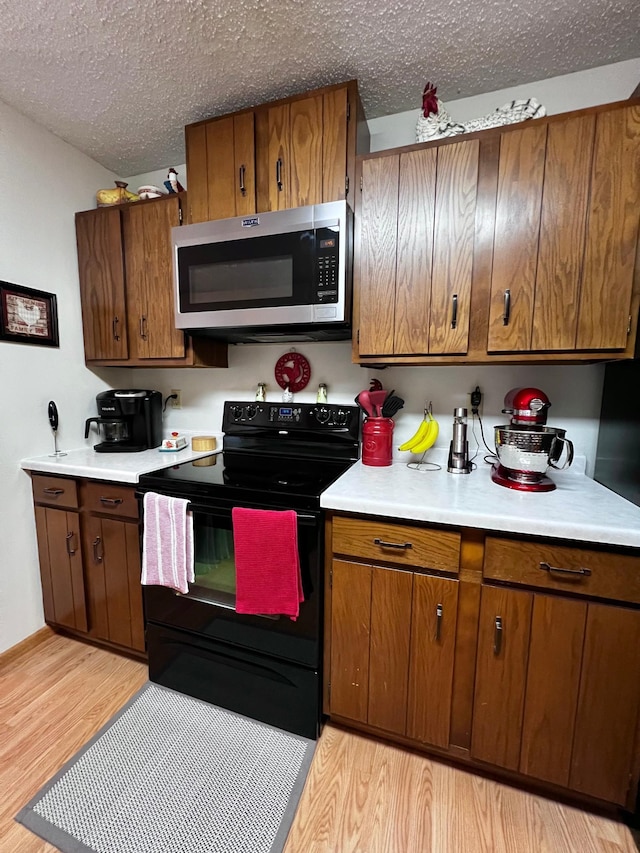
x: 172, y: 183
x: 435, y: 122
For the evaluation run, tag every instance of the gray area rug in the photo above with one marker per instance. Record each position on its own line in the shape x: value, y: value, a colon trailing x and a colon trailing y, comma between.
x: 172, y: 774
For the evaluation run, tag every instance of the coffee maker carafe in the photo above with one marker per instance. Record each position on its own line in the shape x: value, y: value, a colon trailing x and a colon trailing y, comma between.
x: 129, y: 421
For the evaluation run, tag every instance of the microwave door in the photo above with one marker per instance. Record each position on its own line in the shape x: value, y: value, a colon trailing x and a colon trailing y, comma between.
x: 262, y: 280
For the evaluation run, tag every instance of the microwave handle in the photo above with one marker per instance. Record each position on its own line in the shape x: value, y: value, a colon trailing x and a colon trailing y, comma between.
x: 279, y: 173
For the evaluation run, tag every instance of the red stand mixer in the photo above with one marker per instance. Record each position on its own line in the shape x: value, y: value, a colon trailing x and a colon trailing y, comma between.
x: 526, y: 447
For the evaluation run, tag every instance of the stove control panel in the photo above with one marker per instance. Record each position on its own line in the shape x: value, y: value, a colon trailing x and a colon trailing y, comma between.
x: 307, y: 416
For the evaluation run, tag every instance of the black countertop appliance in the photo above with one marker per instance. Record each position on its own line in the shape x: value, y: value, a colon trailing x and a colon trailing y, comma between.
x: 618, y: 455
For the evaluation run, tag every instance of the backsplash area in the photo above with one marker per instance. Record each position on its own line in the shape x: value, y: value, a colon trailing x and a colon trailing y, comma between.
x: 574, y: 390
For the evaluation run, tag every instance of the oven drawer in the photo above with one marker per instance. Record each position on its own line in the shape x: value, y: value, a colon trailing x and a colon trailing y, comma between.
x: 585, y: 571
x: 54, y: 491
x: 110, y: 499
x: 403, y: 544
x: 260, y: 687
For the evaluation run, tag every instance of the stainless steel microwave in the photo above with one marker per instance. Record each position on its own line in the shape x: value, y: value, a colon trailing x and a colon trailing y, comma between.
x: 278, y: 276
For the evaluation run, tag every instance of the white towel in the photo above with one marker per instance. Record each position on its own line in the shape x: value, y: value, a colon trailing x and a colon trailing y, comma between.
x: 167, y: 542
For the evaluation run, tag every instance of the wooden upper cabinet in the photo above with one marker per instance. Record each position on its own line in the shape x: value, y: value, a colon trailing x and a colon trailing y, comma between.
x: 126, y: 288
x: 221, y: 167
x: 566, y: 232
x: 612, y: 232
x: 289, y: 153
x: 147, y: 244
x: 102, y: 287
x: 416, y: 221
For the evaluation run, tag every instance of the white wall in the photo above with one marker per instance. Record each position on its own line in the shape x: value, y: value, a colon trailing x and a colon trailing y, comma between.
x: 558, y: 95
x: 46, y: 181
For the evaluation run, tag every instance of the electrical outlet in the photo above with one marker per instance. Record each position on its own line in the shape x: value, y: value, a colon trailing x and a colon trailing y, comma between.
x: 176, y: 398
x: 476, y: 401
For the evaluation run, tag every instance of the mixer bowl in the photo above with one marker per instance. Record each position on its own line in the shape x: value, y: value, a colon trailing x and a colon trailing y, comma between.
x: 528, y: 448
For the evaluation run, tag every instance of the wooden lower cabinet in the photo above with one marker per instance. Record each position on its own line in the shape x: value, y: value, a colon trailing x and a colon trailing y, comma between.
x: 392, y: 641
x: 58, y: 534
x: 523, y: 656
x: 114, y: 593
x: 557, y: 693
x: 90, y: 560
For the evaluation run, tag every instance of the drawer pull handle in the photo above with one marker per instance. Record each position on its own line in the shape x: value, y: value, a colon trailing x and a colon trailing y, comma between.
x: 96, y: 556
x: 70, y: 551
x: 547, y: 568
x: 402, y: 545
x: 439, y: 612
x: 111, y: 501
x: 497, y: 637
x: 53, y: 492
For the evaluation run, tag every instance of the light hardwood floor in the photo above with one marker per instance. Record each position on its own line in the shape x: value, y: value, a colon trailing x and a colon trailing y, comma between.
x: 361, y: 796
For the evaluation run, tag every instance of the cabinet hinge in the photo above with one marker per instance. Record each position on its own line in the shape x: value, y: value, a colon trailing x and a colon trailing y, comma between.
x: 360, y: 183
x: 348, y: 111
x: 346, y: 185
x: 180, y: 215
x: 358, y: 336
x: 329, y: 692
x: 629, y: 325
x: 331, y: 579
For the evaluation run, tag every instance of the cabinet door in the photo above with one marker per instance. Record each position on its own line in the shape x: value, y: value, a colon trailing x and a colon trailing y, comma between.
x: 501, y: 670
x: 147, y: 241
x: 221, y: 168
x: 608, y: 704
x: 416, y: 220
x: 515, y: 245
x: 391, y: 591
x: 350, y: 632
x: 335, y: 112
x: 113, y: 581
x: 433, y: 636
x: 375, y: 270
x: 289, y: 154
x: 553, y: 679
x: 102, y: 290
x: 612, y: 231
x: 61, y: 571
x: 453, y: 243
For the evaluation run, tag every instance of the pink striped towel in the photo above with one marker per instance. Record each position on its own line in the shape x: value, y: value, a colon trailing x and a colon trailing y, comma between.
x: 167, y: 542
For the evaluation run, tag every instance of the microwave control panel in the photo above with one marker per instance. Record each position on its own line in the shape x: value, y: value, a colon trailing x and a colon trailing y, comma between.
x: 327, y: 262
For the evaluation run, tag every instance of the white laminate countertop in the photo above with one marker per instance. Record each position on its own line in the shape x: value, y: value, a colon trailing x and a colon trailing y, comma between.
x: 578, y: 509
x: 117, y: 467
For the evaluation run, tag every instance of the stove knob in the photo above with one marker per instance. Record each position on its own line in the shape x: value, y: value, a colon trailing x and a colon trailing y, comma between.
x: 251, y: 411
x: 236, y: 412
x: 342, y: 417
x: 323, y: 415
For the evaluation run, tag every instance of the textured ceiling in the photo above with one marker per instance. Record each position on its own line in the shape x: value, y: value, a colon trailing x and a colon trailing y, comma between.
x: 119, y: 79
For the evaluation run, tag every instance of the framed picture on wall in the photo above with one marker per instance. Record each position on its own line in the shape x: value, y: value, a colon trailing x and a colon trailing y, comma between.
x: 28, y: 316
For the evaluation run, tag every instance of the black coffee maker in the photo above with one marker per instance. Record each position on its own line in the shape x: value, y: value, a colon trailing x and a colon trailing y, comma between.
x: 129, y: 421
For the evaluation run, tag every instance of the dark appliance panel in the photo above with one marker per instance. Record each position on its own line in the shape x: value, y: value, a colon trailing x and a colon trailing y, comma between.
x: 618, y: 456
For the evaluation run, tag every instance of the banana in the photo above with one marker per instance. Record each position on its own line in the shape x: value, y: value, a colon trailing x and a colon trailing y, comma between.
x: 429, y: 439
x: 418, y: 436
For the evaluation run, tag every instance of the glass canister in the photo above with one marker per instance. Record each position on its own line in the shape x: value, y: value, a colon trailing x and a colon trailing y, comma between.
x: 377, y: 441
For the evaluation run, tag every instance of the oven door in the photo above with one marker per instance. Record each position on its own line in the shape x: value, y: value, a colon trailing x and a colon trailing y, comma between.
x: 208, y: 608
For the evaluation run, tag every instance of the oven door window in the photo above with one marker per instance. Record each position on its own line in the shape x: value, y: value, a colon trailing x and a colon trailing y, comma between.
x: 258, y: 272
x: 214, y: 561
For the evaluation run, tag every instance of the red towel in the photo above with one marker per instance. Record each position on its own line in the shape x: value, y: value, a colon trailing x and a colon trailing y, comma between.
x: 267, y: 562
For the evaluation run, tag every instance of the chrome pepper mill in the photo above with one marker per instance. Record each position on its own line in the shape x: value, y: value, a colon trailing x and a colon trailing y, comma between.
x: 459, y: 447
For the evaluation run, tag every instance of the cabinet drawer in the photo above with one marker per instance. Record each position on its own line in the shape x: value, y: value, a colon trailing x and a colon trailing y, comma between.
x: 54, y: 491
x: 402, y: 544
x: 586, y: 571
x: 110, y: 499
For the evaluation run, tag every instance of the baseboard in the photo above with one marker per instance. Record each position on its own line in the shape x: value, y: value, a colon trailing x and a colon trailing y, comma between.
x: 26, y: 645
